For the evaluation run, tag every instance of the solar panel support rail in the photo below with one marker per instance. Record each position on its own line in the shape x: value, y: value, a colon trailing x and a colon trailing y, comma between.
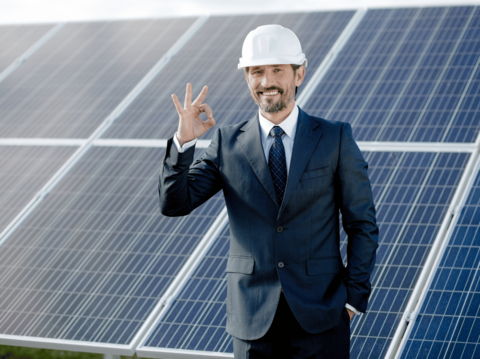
x: 431, y: 264
x: 103, y: 348
x: 22, y: 58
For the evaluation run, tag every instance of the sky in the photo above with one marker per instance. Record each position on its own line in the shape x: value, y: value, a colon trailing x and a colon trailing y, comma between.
x: 47, y: 11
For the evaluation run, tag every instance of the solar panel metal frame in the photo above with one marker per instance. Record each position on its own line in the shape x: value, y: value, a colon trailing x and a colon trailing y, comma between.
x: 443, y: 242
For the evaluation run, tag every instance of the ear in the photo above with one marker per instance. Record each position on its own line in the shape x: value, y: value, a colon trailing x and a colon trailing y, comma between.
x: 299, y: 76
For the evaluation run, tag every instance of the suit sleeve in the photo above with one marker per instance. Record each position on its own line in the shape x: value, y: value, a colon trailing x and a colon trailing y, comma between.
x: 184, y: 186
x: 359, y: 222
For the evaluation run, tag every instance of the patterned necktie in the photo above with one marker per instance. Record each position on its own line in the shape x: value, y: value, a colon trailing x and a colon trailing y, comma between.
x: 277, y: 163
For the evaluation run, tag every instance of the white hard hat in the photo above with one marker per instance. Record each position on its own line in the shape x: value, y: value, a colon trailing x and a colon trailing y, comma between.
x: 271, y: 45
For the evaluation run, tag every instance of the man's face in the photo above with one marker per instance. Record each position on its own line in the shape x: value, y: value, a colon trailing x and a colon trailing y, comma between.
x: 273, y: 86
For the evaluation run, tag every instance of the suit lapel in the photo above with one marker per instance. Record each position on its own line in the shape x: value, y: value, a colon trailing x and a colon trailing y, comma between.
x: 251, y: 144
x: 306, y: 139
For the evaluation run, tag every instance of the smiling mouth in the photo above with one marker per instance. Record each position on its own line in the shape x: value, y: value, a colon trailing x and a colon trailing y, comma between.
x: 271, y: 92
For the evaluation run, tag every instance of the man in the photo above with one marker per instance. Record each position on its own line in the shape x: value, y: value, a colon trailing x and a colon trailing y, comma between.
x: 285, y: 176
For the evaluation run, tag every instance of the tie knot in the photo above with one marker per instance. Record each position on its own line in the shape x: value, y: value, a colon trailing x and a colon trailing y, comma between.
x: 276, y: 131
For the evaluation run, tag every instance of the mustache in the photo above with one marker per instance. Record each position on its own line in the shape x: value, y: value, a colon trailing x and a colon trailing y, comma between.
x: 267, y: 89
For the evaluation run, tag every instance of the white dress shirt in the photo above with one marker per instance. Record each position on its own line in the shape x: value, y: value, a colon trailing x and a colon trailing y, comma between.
x: 289, y: 126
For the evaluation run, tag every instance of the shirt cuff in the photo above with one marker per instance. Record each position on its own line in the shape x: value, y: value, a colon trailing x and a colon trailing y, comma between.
x: 185, y: 146
x: 348, y: 306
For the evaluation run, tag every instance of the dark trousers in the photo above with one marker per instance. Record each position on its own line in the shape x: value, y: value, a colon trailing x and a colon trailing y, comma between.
x: 287, y: 339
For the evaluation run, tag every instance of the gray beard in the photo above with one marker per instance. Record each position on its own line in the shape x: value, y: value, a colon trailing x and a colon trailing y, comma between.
x: 273, y: 107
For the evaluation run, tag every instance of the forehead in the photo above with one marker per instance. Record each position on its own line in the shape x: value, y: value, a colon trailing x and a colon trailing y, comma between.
x: 267, y: 67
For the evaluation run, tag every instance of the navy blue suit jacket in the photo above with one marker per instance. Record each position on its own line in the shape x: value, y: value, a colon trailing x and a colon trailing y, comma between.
x: 295, y: 245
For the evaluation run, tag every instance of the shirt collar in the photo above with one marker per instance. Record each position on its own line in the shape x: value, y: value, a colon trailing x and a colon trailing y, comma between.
x: 289, y: 125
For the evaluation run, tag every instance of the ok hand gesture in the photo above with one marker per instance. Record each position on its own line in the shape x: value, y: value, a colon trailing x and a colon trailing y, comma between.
x: 190, y: 125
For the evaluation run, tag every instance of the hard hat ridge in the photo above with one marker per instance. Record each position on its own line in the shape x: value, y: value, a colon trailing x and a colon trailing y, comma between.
x: 271, y: 45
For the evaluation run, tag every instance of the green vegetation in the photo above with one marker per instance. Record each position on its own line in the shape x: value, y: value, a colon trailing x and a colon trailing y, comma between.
x: 8, y: 352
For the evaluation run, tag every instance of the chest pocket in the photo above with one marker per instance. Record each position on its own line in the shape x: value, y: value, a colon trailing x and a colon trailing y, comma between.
x: 318, y: 172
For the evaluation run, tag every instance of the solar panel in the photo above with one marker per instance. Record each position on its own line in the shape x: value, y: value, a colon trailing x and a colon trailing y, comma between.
x: 412, y: 193
x: 23, y: 172
x: 91, y: 262
x: 16, y: 39
x: 69, y: 85
x: 211, y: 58
x: 448, y: 323
x: 407, y: 75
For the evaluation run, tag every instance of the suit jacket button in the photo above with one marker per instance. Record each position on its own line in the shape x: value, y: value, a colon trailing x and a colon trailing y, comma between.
x: 279, y: 229
x: 280, y: 265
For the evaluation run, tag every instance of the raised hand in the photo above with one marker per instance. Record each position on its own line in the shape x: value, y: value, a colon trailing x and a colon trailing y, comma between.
x: 190, y: 125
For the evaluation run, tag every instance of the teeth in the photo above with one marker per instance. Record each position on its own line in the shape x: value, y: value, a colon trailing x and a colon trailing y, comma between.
x: 270, y: 93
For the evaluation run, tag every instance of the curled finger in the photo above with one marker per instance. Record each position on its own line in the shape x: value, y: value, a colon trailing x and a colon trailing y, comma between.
x: 205, y: 108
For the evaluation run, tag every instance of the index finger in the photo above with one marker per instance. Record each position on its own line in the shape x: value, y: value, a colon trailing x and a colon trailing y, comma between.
x: 188, y: 96
x: 201, y: 96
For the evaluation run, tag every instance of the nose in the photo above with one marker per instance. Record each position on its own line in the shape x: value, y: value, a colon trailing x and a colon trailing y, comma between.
x: 267, y: 80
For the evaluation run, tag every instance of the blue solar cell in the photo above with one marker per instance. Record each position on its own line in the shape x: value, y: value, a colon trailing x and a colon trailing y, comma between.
x: 404, y: 187
x: 407, y: 75
x: 93, y: 259
x: 211, y: 58
x: 448, y: 324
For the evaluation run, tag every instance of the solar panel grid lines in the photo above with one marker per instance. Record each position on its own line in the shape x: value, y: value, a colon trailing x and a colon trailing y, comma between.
x: 373, y: 332
x: 187, y: 324
x: 390, y: 108
x: 216, y: 230
x: 80, y: 75
x: 316, y: 77
x: 19, y: 42
x: 23, y: 171
x: 103, y: 126
x: 361, y: 61
x: 220, y: 39
x: 462, y: 97
x: 80, y: 255
x: 415, y: 68
x: 391, y: 59
x: 440, y: 78
x: 429, y: 268
x: 179, y: 282
x: 446, y: 325
x: 460, y: 204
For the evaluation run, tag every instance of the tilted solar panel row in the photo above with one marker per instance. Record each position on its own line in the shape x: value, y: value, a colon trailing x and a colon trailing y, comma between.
x: 94, y: 260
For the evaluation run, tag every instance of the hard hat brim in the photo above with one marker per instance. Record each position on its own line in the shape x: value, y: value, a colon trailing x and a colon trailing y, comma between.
x: 283, y: 60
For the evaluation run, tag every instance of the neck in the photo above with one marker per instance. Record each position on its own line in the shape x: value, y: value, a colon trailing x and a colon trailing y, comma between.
x: 280, y: 116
